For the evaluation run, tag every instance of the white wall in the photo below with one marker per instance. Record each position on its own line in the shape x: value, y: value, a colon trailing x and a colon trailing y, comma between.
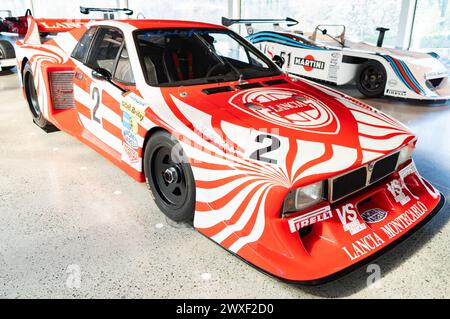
x: 67, y: 9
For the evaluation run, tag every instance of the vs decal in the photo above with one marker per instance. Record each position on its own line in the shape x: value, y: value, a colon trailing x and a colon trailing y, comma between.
x: 349, y: 219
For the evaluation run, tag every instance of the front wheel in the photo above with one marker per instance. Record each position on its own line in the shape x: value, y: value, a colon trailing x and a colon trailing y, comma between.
x: 371, y: 79
x: 169, y: 177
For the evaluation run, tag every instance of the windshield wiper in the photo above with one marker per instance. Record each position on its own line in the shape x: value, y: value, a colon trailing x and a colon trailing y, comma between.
x: 221, y: 60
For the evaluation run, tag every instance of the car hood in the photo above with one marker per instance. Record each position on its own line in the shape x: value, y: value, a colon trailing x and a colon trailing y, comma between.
x: 297, y: 113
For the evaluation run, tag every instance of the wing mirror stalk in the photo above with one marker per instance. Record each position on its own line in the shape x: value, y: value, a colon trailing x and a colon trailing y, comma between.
x: 104, y: 75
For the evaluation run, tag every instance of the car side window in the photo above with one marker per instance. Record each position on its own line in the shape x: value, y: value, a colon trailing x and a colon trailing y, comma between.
x: 81, y: 50
x: 124, y: 73
x: 105, y: 49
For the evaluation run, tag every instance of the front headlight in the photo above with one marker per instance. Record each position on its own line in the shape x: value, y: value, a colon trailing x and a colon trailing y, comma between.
x: 304, y: 197
x: 405, y: 154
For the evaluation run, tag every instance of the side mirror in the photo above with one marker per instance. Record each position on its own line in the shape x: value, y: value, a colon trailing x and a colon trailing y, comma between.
x: 101, y: 74
x: 278, y: 60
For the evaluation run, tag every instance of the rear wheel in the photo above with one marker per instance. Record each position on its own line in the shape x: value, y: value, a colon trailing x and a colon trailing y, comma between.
x: 6, y: 52
x: 371, y: 79
x: 170, y: 177
x: 31, y: 94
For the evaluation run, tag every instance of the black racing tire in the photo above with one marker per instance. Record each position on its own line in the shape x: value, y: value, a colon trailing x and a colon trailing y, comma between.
x: 169, y: 177
x: 31, y: 95
x: 7, y: 52
x: 371, y: 79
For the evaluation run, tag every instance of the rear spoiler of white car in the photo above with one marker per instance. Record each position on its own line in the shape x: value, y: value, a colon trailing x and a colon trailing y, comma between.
x: 229, y: 22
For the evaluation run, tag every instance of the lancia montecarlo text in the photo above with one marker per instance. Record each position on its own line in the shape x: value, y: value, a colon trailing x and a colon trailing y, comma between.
x: 297, y: 179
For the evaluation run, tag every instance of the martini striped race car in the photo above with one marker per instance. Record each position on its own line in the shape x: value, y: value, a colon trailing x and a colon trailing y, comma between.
x: 376, y: 70
x: 300, y: 181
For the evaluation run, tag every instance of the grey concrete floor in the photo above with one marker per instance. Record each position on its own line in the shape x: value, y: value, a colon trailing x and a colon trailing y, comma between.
x: 66, y: 211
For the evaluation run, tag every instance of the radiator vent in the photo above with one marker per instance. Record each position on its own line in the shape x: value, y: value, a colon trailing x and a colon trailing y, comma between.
x: 61, y: 89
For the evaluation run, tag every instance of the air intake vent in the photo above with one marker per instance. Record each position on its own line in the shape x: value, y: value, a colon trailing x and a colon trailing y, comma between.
x: 275, y: 82
x: 434, y: 83
x: 248, y: 86
x: 61, y: 87
x: 218, y: 90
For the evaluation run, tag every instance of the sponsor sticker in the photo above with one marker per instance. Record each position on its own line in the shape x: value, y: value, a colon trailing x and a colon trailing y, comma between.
x: 374, y: 215
x: 309, y: 63
x: 395, y: 187
x: 130, y: 138
x: 408, y: 170
x: 349, y: 219
x: 131, y: 153
x: 396, y: 92
x: 317, y: 216
x: 134, y: 106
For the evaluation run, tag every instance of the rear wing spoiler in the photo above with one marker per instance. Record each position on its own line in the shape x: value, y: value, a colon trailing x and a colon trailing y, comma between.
x: 229, y: 22
x: 107, y: 12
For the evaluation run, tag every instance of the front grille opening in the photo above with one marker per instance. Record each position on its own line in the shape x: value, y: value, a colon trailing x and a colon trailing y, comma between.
x: 349, y: 183
x: 384, y: 167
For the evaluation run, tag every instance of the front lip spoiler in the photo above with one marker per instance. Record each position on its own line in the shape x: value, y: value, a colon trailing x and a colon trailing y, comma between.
x: 348, y: 270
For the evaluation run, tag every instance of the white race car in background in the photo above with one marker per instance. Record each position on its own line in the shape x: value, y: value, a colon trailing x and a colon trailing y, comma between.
x: 375, y: 70
x: 7, y: 52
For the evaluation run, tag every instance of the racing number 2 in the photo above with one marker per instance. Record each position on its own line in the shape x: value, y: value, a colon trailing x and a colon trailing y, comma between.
x: 96, y: 99
x: 275, y: 144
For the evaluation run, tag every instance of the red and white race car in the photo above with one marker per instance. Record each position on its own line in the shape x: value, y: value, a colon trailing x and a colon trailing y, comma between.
x: 297, y: 179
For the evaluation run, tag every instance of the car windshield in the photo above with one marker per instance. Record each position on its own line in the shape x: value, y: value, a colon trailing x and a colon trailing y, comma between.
x: 173, y: 57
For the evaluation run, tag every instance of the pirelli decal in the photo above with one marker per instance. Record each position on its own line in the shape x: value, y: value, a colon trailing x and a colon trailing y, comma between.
x: 319, y: 215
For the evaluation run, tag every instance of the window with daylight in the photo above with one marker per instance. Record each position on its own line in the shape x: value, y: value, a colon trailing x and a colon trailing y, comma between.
x: 197, y: 10
x: 17, y: 8
x: 69, y: 9
x: 431, y: 31
x: 105, y: 49
x: 361, y: 17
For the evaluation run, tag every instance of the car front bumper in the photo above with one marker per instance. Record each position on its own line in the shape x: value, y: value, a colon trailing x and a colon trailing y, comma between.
x: 338, y: 245
x: 7, y: 63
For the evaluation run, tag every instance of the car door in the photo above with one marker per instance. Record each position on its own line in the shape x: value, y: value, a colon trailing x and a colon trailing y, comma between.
x: 99, y: 100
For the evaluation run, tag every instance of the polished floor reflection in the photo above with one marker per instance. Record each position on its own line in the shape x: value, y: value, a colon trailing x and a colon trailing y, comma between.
x: 73, y: 225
